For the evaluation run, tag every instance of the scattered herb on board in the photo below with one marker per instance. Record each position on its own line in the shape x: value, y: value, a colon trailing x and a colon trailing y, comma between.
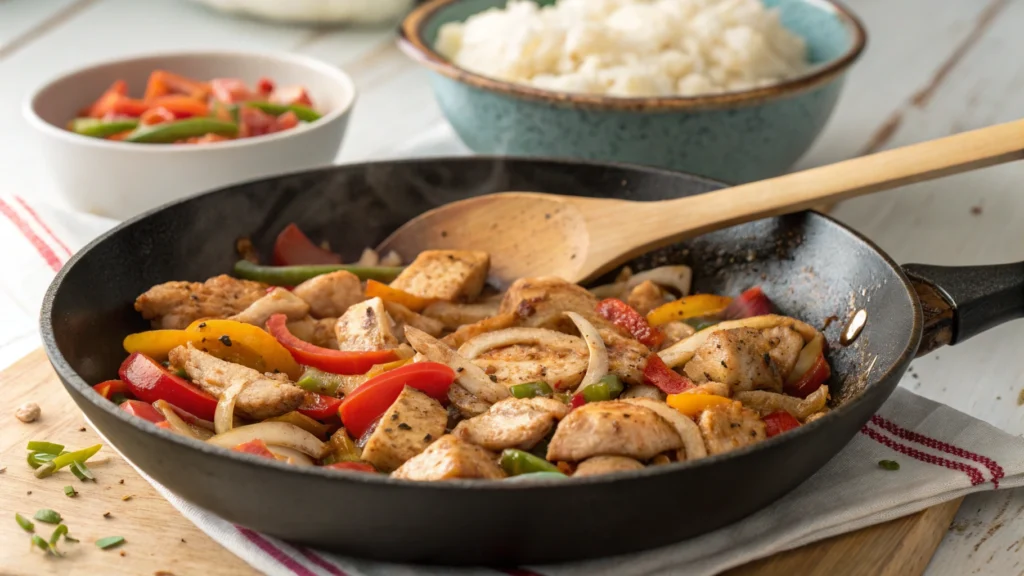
x: 81, y: 471
x: 888, y: 464
x: 44, y: 545
x: 106, y: 514
x: 127, y: 497
x: 25, y: 523
x: 70, y: 492
x: 62, y: 530
x: 48, y: 516
x: 110, y: 542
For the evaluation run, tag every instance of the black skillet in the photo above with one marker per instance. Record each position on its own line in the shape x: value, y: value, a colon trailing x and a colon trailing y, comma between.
x: 810, y: 265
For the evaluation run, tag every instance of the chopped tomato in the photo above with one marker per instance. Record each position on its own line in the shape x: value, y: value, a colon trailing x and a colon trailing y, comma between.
x: 624, y: 316
x: 182, y: 106
x: 751, y: 303
x: 288, y: 95
x: 657, y: 373
x: 265, y: 86
x: 326, y: 359
x: 149, y: 381
x: 778, y: 422
x: 111, y: 387
x: 319, y: 406
x: 388, y: 294
x: 257, y: 447
x: 286, y: 121
x: 143, y: 410
x: 105, y: 103
x: 293, y: 248
x: 255, y: 122
x: 230, y: 90
x: 372, y: 398
x: 354, y: 466
x: 156, y: 115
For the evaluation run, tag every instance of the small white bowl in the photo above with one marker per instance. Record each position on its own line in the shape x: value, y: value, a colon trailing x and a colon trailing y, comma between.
x: 122, y: 179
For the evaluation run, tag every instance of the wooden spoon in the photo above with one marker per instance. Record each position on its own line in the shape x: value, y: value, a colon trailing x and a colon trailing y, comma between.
x: 531, y: 234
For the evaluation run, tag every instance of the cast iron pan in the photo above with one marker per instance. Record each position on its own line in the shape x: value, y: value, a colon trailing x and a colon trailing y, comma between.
x: 811, y: 266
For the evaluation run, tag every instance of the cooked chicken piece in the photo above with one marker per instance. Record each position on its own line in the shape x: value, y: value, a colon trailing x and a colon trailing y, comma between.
x: 816, y: 416
x: 467, y: 375
x: 606, y: 465
x: 643, y: 391
x: 513, y: 423
x: 767, y: 402
x: 277, y: 301
x: 412, y: 422
x: 467, y: 404
x: 452, y: 275
x: 175, y: 305
x: 404, y: 317
x: 739, y: 357
x: 561, y: 367
x: 265, y: 396
x: 450, y: 458
x: 470, y: 331
x: 626, y: 357
x: 331, y: 294
x: 785, y: 344
x: 317, y: 332
x: 713, y: 388
x: 675, y: 331
x: 728, y: 427
x: 693, y: 443
x: 645, y: 297
x: 452, y: 315
x: 612, y: 428
x: 366, y: 326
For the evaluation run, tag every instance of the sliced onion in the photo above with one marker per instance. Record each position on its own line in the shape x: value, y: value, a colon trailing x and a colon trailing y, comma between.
x: 468, y: 375
x: 678, y: 277
x: 477, y: 345
x: 767, y: 402
x: 689, y: 432
x: 290, y: 456
x: 224, y: 416
x: 369, y: 257
x: 681, y: 352
x: 177, y: 424
x: 597, y: 365
x: 273, y: 433
x: 807, y: 358
x: 392, y: 258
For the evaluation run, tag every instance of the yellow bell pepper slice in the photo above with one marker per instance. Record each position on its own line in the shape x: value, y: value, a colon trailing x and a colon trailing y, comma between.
x: 276, y: 357
x: 157, y: 344
x: 375, y: 289
x: 693, y: 404
x: 692, y: 306
x: 378, y: 369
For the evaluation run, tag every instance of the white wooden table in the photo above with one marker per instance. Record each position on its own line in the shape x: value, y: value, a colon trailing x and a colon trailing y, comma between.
x: 933, y: 67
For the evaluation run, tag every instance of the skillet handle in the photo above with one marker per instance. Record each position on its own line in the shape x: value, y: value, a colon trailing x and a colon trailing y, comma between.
x: 960, y: 302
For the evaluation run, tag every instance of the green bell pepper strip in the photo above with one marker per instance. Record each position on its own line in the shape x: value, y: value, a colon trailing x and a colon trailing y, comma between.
x: 168, y: 132
x: 607, y: 388
x: 516, y: 462
x: 66, y: 459
x: 321, y: 382
x: 96, y: 128
x: 304, y: 113
x: 295, y: 275
x: 537, y: 476
x: 530, y: 389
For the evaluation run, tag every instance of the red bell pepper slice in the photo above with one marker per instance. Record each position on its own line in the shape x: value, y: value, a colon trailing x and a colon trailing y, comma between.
x: 334, y: 361
x: 149, y: 381
x: 143, y: 410
x: 657, y: 373
x: 111, y: 387
x: 811, y: 380
x: 319, y: 406
x: 293, y: 248
x: 577, y: 400
x: 354, y: 466
x: 751, y: 303
x: 181, y: 106
x: 778, y: 422
x: 257, y: 447
x: 105, y: 103
x: 624, y: 316
x: 372, y: 398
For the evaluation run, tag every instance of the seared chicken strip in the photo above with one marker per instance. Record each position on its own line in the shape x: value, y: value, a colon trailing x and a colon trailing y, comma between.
x: 606, y: 465
x: 784, y: 347
x: 366, y: 326
x: 404, y: 317
x: 467, y: 404
x: 450, y: 458
x: 731, y: 426
x: 264, y: 397
x: 175, y: 305
x: 453, y: 315
x: 740, y: 357
x: 277, y: 301
x: 452, y: 275
x: 413, y: 421
x: 512, y: 423
x: 612, y: 429
x: 470, y: 331
x: 645, y: 297
x: 330, y: 295
x: 675, y: 331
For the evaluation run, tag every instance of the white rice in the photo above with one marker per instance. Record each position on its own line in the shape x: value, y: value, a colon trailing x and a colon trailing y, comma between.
x: 628, y: 48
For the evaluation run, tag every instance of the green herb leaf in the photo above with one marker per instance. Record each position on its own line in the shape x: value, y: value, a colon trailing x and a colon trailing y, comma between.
x: 69, y: 491
x: 45, y: 470
x: 888, y: 464
x: 45, y: 447
x: 61, y: 530
x: 81, y: 471
x: 43, y: 545
x: 48, y: 516
x: 25, y: 523
x: 110, y: 542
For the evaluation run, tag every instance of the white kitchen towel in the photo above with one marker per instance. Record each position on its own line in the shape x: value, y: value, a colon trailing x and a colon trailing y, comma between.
x: 942, y: 454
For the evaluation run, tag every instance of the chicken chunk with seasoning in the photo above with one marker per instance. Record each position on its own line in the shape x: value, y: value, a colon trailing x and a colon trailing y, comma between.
x: 330, y: 295
x: 512, y: 423
x: 562, y: 367
x: 730, y: 426
x: 740, y: 357
x: 317, y: 332
x: 451, y: 275
x: 264, y: 396
x: 450, y: 458
x: 784, y: 345
x: 366, y: 326
x: 277, y: 301
x: 412, y: 422
x: 612, y: 429
x: 606, y: 465
x: 175, y: 305
x: 405, y: 317
x: 645, y: 296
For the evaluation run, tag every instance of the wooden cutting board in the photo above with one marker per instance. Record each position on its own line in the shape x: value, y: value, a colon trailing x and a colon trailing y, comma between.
x: 160, y: 541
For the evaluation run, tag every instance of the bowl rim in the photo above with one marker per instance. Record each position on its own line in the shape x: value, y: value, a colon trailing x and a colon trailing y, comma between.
x: 410, y: 40
x: 29, y: 103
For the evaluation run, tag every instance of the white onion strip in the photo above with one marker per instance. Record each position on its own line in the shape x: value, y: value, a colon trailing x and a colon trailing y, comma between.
x: 178, y: 424
x: 767, y: 402
x: 681, y: 352
x: 477, y: 345
x: 679, y: 277
x: 291, y: 456
x: 224, y: 416
x: 273, y: 433
x: 689, y: 432
x: 468, y: 375
x: 597, y: 364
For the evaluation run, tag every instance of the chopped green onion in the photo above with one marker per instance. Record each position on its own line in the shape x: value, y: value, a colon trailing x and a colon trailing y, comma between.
x: 37, y: 459
x: 69, y: 491
x: 81, y: 471
x: 48, y: 516
x: 45, y: 470
x: 66, y: 459
x: 530, y: 389
x: 110, y: 541
x: 43, y: 545
x: 61, y: 530
x: 45, y: 447
x: 25, y: 523
x: 888, y: 464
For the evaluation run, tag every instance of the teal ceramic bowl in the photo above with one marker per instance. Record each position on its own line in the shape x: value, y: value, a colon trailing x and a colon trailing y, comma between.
x: 735, y: 137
